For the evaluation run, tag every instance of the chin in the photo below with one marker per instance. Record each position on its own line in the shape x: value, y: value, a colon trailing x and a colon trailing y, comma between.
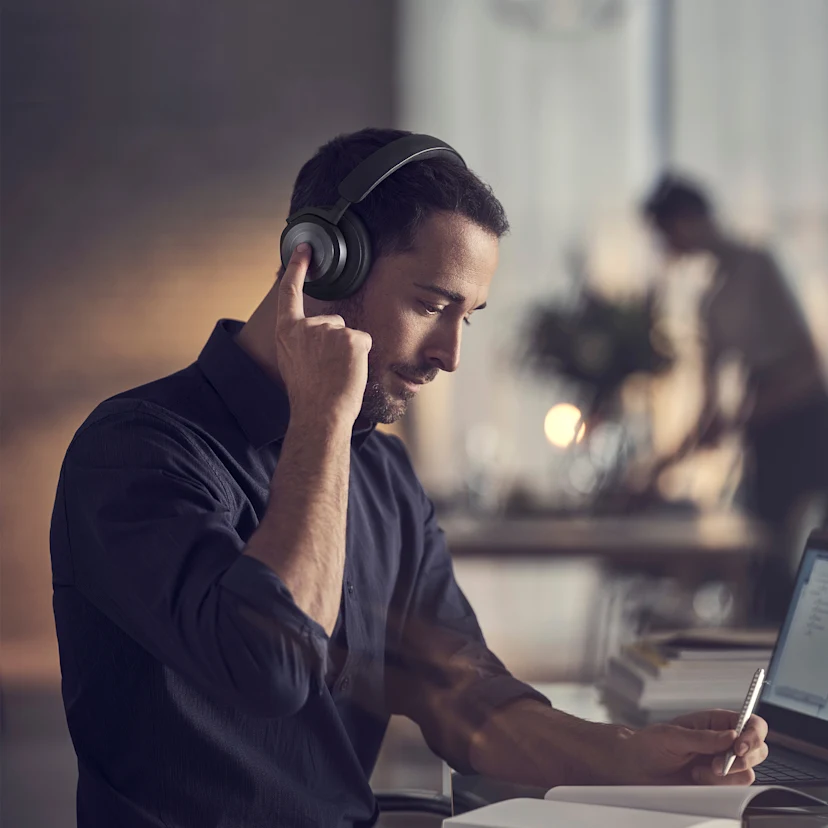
x: 380, y: 406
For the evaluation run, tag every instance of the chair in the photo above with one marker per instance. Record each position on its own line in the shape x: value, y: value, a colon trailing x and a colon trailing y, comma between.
x: 421, y: 809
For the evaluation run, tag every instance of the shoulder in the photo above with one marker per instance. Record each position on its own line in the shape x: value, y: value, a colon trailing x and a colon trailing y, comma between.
x: 751, y: 259
x: 132, y: 434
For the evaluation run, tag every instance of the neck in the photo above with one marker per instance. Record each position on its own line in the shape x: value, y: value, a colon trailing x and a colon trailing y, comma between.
x: 258, y: 336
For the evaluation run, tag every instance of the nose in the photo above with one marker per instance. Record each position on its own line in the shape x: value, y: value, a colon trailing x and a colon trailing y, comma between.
x: 443, y: 349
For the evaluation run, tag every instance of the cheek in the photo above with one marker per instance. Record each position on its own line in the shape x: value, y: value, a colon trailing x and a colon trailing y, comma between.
x: 401, y: 331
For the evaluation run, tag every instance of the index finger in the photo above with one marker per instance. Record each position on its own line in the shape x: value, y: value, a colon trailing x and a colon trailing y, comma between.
x: 291, y: 303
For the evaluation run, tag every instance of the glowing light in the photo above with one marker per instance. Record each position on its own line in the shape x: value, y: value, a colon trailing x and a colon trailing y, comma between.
x: 560, y: 423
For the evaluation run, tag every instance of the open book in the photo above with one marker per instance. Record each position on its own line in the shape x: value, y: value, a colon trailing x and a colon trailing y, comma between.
x: 680, y: 806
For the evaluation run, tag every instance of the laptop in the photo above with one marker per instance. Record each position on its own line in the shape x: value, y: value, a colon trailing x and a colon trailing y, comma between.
x: 794, y: 700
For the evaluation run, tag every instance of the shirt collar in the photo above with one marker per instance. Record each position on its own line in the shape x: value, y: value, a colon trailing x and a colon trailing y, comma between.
x: 257, y: 402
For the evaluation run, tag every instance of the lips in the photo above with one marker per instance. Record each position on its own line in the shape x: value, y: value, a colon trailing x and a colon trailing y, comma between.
x: 412, y: 384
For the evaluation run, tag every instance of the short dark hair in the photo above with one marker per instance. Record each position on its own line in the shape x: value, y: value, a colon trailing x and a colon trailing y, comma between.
x: 395, y: 210
x: 676, y: 197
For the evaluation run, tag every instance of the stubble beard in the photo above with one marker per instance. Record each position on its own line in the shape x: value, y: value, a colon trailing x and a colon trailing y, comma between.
x: 378, y: 405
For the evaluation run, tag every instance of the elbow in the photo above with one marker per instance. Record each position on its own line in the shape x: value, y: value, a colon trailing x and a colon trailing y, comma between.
x: 271, y: 672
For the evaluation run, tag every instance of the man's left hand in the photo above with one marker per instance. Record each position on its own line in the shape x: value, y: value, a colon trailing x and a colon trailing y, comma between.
x: 691, y: 749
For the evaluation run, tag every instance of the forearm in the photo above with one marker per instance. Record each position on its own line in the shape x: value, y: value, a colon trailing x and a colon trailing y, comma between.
x: 531, y: 744
x: 302, y: 535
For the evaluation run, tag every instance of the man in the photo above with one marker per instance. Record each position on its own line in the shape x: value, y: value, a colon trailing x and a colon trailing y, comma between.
x: 749, y: 313
x: 249, y: 578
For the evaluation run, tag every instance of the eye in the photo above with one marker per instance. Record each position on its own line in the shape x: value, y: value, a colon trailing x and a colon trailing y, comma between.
x: 467, y: 320
x: 430, y: 309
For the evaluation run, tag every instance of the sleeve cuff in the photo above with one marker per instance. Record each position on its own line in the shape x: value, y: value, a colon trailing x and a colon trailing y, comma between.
x: 260, y: 587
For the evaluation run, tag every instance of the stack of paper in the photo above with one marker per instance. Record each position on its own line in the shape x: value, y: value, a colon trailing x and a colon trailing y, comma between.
x: 663, y: 676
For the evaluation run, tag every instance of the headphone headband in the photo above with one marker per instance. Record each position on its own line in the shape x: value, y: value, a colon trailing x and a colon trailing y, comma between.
x: 388, y: 159
x: 340, y: 243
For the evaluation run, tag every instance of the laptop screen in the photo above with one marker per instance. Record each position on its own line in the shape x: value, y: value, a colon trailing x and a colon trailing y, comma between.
x: 798, y: 672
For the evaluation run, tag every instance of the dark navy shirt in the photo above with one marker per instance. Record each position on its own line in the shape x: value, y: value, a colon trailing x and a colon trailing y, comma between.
x: 197, y: 693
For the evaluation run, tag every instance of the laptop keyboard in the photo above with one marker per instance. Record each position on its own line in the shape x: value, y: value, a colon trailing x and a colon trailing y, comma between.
x: 775, y: 770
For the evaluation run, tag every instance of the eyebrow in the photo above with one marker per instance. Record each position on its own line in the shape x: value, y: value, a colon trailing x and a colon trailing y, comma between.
x: 451, y: 295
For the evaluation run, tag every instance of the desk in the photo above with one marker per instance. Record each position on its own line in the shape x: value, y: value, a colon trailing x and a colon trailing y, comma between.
x: 583, y: 700
x: 691, y: 549
x: 638, y: 540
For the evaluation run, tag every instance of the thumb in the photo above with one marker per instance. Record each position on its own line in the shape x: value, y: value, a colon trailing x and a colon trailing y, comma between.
x: 688, y: 740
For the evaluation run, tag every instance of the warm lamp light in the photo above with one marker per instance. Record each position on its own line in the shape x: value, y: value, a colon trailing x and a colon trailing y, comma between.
x: 560, y: 424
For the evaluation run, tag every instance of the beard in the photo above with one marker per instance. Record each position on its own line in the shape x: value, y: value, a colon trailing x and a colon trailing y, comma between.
x: 379, y: 405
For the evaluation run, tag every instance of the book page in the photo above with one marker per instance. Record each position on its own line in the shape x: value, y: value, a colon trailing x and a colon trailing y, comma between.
x: 727, y: 801
x: 539, y: 813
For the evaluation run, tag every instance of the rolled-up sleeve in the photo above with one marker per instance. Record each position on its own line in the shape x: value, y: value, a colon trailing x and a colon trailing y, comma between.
x: 442, y: 675
x: 153, y: 546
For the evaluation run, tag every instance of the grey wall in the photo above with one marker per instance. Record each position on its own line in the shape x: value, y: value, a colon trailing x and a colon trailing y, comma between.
x: 148, y: 153
x: 149, y: 148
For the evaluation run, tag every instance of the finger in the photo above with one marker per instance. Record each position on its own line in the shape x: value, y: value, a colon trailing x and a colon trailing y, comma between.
x: 756, y: 757
x: 718, y: 765
x: 750, y: 760
x: 752, y: 736
x: 291, y: 302
x: 713, y: 719
x: 363, y: 338
x: 705, y: 775
x: 331, y: 320
x: 709, y: 742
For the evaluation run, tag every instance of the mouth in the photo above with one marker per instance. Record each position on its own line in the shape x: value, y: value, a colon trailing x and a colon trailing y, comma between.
x: 409, y: 384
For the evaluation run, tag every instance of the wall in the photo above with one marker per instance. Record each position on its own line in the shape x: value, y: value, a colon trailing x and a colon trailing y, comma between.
x: 149, y: 150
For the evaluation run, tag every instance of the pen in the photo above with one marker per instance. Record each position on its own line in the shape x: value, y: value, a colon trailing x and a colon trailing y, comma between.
x: 747, y: 709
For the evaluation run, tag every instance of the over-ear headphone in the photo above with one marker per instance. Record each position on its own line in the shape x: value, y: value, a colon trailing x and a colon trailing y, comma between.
x: 340, y: 243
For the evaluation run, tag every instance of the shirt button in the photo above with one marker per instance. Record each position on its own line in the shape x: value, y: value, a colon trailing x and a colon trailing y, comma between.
x: 344, y: 683
x: 350, y: 588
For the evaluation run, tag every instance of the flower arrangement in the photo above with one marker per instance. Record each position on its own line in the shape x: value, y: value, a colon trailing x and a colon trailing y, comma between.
x: 597, y: 343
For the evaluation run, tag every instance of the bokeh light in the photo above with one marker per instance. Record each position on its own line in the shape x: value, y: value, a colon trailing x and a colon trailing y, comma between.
x: 561, y: 423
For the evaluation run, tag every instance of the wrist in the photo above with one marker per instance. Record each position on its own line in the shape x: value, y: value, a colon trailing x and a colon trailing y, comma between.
x: 532, y: 744
x: 324, y: 426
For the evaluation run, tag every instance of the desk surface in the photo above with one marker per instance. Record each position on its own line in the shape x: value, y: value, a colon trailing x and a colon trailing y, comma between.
x: 583, y: 700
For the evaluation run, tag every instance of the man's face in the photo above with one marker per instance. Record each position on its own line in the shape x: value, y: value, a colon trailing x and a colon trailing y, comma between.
x: 415, y: 305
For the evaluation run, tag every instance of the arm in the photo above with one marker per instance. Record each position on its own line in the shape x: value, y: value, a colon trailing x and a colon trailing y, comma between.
x: 707, y: 430
x: 155, y: 545
x: 530, y: 744
x: 155, y: 548
x: 302, y: 535
x: 439, y: 671
x: 324, y: 367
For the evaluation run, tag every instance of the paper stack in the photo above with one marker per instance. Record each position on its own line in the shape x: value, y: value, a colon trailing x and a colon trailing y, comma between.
x: 665, y: 675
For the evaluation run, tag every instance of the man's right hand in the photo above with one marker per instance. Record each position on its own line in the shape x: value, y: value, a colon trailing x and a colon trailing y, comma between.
x: 323, y: 363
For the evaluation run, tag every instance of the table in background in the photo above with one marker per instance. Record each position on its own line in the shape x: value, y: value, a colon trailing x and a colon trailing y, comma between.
x: 693, y: 550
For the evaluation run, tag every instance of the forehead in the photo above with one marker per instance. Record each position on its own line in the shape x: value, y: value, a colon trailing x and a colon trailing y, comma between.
x: 454, y: 252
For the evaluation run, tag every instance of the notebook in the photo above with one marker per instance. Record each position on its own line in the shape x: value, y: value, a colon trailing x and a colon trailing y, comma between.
x: 679, y: 806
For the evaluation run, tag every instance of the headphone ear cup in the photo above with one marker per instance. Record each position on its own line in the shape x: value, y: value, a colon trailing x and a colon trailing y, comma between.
x: 328, y: 249
x: 359, y: 259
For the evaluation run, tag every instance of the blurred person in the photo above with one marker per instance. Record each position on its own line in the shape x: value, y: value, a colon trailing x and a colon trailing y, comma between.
x: 249, y: 579
x: 749, y: 313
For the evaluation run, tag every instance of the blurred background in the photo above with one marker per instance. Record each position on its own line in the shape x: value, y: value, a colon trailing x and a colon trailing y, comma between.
x: 148, y: 154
